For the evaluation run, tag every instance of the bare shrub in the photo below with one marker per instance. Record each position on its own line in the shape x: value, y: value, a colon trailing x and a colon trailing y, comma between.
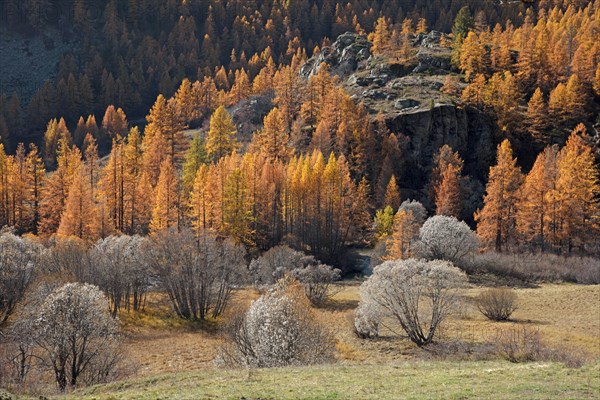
x: 18, y: 257
x: 76, y: 333
x: 537, y: 267
x: 275, y: 263
x: 119, y: 269
x: 445, y: 238
x: 419, y: 294
x: 497, y: 304
x: 367, y: 318
x: 521, y: 344
x: 198, y: 274
x: 67, y: 257
x: 278, y: 329
x: 317, y: 280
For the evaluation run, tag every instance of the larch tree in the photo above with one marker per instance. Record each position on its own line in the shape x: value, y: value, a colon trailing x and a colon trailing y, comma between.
x: 405, y: 231
x: 220, y: 139
x: 448, y: 199
x: 537, y: 117
x: 392, y: 194
x: 273, y: 138
x: 165, y: 213
x: 496, y: 221
x: 577, y: 190
x: 289, y: 91
x: 444, y: 158
x: 381, y: 36
x: 56, y: 187
x: 79, y: 217
x: 200, y: 201
x: 131, y: 176
x: 35, y: 176
x: 536, y: 210
x: 165, y: 121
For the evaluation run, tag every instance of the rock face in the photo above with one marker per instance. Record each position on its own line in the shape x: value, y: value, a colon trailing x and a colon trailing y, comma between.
x: 343, y: 56
x: 410, y: 99
x: 465, y: 129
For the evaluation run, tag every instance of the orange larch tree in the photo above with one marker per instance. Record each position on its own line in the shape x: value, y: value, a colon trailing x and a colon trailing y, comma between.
x: 496, y: 221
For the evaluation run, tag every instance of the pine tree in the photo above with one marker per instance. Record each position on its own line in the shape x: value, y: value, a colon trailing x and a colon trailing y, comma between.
x: 220, y: 139
x: 463, y: 23
x: 496, y: 222
x: 194, y: 158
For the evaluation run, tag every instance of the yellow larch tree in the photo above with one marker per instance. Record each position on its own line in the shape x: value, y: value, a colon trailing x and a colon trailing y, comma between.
x: 79, y: 217
x: 220, y: 140
x: 165, y: 212
x: 577, y: 190
x: 448, y: 200
x: 405, y: 230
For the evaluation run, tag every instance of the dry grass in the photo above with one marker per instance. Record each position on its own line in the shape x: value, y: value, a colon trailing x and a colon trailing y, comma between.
x: 402, y: 380
x: 565, y: 315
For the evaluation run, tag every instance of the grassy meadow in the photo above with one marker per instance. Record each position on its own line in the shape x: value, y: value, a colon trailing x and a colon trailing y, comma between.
x: 170, y: 358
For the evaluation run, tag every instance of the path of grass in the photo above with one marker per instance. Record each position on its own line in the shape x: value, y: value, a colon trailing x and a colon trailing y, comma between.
x: 418, y: 380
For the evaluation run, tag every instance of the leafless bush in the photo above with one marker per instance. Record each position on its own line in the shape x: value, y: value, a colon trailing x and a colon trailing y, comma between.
x: 18, y: 258
x: 278, y: 329
x: 537, y: 267
x: 367, y: 318
x: 317, y: 280
x: 445, y: 238
x: 67, y: 257
x: 497, y: 304
x: 76, y: 333
x: 119, y: 268
x: 520, y: 344
x: 419, y: 294
x: 275, y: 263
x: 197, y: 273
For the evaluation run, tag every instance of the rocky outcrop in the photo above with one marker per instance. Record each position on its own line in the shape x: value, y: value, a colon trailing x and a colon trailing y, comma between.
x: 410, y: 99
x: 466, y: 130
x: 343, y: 56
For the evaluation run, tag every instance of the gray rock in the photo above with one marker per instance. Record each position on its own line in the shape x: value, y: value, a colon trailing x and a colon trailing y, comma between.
x: 402, y: 104
x: 343, y: 55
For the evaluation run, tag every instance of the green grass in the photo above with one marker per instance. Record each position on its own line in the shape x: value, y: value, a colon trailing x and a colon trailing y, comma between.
x: 418, y: 380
